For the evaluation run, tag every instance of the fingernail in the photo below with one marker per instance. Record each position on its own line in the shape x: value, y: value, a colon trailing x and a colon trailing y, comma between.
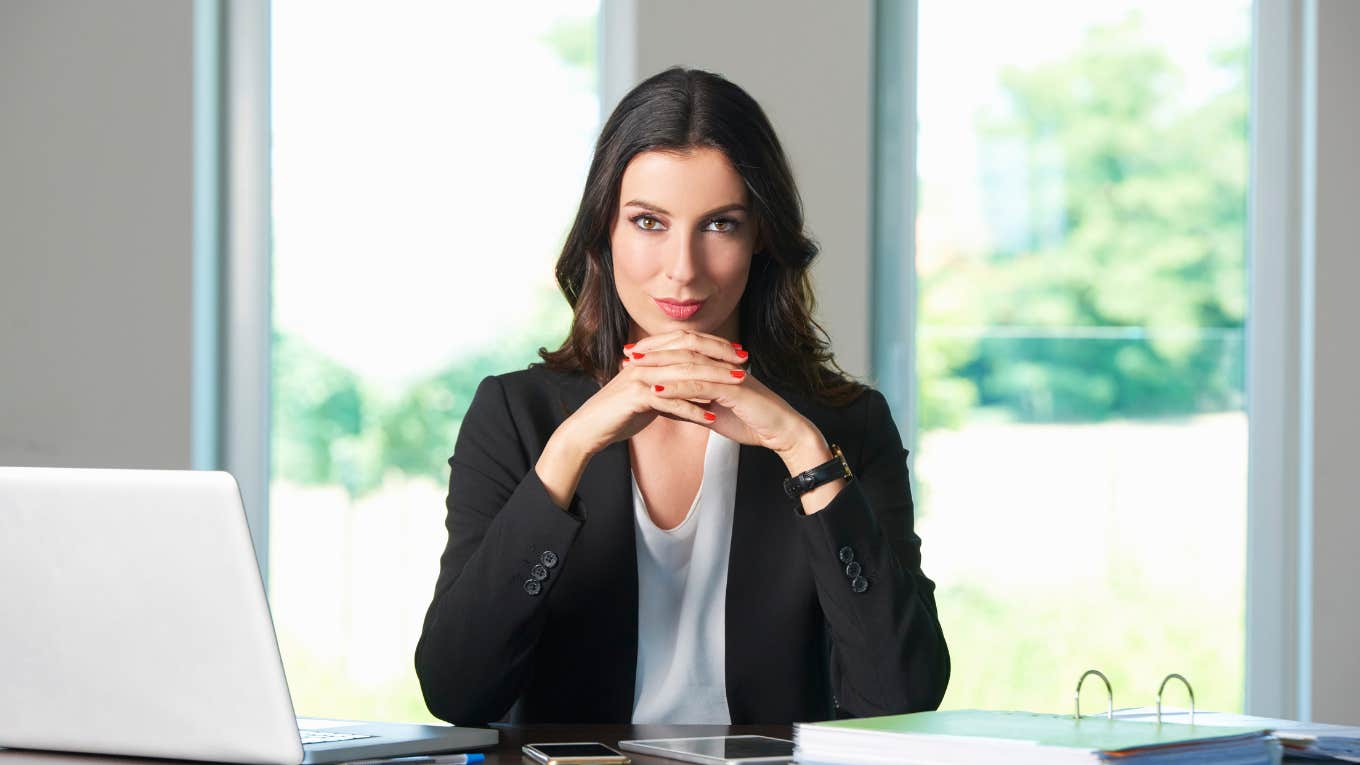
x: 638, y: 355
x: 737, y: 346
x: 630, y: 345
x: 710, y: 416
x: 742, y: 354
x: 737, y: 373
x: 659, y: 388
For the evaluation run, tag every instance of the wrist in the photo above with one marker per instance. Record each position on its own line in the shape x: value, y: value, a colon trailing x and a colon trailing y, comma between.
x: 807, y: 451
x: 560, y: 466
x: 565, y: 445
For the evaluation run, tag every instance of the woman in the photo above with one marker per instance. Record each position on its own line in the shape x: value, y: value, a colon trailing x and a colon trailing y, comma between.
x: 622, y: 547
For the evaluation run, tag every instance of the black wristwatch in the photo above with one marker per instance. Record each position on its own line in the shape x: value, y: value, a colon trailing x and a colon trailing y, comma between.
x: 798, y: 485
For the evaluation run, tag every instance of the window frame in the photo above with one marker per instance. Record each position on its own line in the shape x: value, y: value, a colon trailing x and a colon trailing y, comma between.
x: 1277, y: 554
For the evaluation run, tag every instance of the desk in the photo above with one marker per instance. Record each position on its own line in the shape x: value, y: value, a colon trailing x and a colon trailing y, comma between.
x: 505, y: 753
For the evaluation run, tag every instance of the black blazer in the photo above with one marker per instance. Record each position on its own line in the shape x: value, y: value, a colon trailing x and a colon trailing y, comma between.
x: 802, y: 644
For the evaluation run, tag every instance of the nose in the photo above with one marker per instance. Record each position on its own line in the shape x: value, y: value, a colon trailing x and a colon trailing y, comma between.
x: 682, y: 259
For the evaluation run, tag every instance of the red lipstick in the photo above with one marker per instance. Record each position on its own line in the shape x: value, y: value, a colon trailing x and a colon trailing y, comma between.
x: 679, y: 309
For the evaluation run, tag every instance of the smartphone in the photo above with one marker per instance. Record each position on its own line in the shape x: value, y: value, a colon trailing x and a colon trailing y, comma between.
x: 574, y: 753
x: 717, y: 750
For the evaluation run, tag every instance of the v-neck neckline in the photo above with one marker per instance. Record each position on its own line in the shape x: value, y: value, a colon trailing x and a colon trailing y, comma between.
x: 678, y: 528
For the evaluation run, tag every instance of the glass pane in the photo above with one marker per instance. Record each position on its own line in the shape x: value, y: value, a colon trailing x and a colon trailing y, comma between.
x: 1081, y: 461
x: 428, y: 157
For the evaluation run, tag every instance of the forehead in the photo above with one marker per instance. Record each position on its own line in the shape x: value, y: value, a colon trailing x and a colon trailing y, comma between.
x: 693, y: 181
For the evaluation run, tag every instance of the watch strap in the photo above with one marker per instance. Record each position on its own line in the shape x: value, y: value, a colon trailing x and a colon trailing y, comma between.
x: 797, y: 485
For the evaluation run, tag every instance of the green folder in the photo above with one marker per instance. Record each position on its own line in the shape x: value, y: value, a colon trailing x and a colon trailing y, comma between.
x: 975, y: 735
x: 1098, y: 733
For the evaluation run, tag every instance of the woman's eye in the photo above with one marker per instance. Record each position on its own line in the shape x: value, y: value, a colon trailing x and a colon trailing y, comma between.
x: 647, y: 223
x: 722, y: 225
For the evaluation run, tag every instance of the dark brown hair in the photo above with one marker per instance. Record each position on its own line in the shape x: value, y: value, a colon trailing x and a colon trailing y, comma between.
x: 677, y: 110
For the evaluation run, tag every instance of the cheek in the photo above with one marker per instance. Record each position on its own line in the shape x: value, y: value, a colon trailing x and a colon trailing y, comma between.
x: 732, y: 265
x: 634, y: 263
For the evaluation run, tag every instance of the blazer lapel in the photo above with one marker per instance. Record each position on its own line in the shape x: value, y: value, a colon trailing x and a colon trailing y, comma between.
x: 761, y: 539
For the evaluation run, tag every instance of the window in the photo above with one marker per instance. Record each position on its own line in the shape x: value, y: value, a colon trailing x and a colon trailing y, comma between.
x: 427, y: 160
x: 1082, y: 436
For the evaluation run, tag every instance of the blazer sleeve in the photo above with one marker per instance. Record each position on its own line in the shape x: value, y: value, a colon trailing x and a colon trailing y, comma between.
x: 477, y: 646
x: 888, y: 652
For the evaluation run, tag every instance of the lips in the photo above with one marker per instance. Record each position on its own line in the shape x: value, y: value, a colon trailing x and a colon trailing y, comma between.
x: 679, y: 309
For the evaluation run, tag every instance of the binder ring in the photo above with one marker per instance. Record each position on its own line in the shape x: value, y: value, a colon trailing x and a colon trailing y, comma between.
x: 1162, y: 687
x: 1109, y: 694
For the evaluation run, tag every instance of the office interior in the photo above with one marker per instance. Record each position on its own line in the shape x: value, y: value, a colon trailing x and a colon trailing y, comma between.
x: 143, y: 275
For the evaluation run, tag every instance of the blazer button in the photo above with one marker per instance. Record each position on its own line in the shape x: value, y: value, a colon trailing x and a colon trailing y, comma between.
x: 538, y: 572
x: 859, y: 584
x: 847, y: 554
x: 852, y: 569
x: 549, y: 558
x: 533, y: 586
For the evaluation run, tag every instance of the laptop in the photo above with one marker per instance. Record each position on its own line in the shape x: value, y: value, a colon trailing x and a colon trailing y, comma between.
x: 135, y: 623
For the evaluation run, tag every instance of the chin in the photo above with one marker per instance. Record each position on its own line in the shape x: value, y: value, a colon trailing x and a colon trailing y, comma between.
x: 658, y: 323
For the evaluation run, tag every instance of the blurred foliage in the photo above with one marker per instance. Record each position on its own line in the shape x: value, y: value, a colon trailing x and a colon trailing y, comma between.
x: 318, y: 413
x: 332, y: 428
x: 1113, y: 204
x: 1024, y: 649
x: 573, y: 40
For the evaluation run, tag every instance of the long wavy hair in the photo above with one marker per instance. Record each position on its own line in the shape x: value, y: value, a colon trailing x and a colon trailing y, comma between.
x: 678, y: 110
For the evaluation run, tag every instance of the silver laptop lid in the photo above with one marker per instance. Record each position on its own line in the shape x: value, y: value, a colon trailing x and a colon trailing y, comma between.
x: 135, y: 621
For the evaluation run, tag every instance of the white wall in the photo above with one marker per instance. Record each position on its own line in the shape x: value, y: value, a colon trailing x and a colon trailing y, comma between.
x: 95, y: 232
x: 809, y: 65
x: 1333, y: 689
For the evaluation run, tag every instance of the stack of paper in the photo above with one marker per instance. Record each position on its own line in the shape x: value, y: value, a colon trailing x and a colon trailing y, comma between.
x: 1302, y: 740
x: 965, y: 737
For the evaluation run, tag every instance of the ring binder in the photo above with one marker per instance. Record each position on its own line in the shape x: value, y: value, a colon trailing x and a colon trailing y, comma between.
x: 1190, y: 690
x: 1109, y: 694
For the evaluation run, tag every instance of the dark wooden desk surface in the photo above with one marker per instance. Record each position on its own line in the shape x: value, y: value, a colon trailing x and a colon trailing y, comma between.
x: 506, y: 753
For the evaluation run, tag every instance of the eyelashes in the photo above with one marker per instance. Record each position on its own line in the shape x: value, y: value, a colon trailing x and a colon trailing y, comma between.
x: 647, y: 222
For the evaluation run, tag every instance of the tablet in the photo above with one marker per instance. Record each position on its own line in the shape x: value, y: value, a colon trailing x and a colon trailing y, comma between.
x: 715, y: 750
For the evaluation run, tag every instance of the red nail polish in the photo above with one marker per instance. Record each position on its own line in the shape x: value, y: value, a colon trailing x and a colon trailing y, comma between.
x: 710, y: 416
x: 659, y: 388
x: 737, y: 373
x: 638, y: 355
x: 737, y: 346
x: 630, y: 345
x: 742, y: 354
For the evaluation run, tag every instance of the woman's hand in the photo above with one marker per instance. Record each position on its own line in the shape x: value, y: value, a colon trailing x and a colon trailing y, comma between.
x: 637, y: 395
x: 623, y: 407
x: 748, y: 412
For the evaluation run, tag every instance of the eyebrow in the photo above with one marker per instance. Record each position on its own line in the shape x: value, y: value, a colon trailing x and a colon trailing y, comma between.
x: 658, y: 209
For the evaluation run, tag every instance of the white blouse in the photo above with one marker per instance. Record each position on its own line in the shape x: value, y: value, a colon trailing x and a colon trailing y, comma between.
x: 682, y: 600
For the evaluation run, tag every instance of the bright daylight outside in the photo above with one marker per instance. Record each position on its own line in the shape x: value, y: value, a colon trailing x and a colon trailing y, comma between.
x: 1080, y: 466
x: 428, y: 157
x: 1080, y: 470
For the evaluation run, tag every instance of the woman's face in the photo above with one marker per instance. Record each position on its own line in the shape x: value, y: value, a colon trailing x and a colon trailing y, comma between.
x: 682, y: 242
